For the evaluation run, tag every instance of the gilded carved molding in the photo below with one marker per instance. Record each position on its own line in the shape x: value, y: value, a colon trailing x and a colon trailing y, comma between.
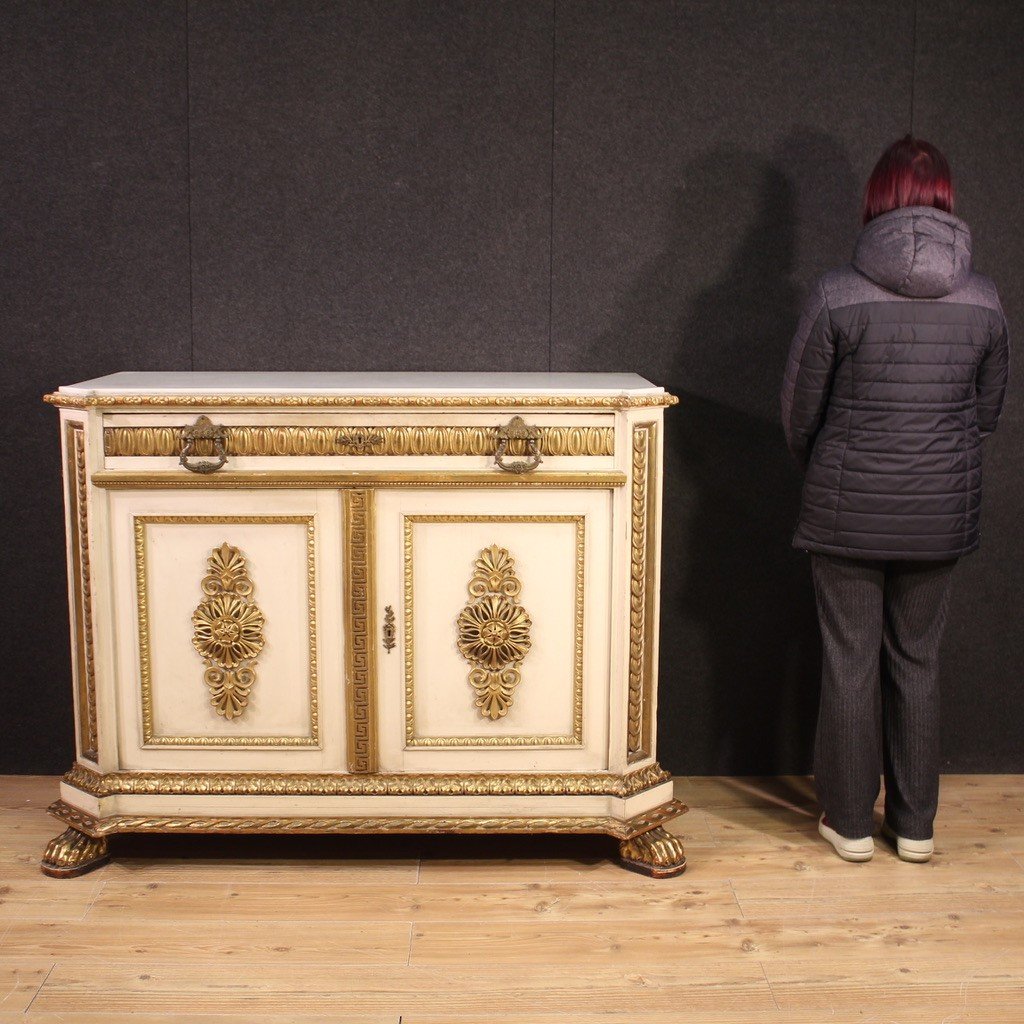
x: 494, y: 631
x: 575, y: 738
x: 149, y: 735
x: 385, y: 784
x: 250, y: 479
x: 641, y: 591
x: 619, y: 828
x: 227, y: 631
x: 320, y: 440
x: 360, y: 649
x: 81, y: 588
x: 653, y: 400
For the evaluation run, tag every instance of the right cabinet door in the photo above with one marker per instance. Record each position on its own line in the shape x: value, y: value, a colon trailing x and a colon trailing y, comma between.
x: 501, y: 608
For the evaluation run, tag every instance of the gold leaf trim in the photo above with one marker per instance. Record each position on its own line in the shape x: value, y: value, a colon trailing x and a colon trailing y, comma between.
x: 641, y: 593
x: 619, y: 828
x: 360, y: 652
x: 248, y: 479
x: 655, y: 400
x: 387, y: 784
x: 318, y: 440
x: 81, y: 584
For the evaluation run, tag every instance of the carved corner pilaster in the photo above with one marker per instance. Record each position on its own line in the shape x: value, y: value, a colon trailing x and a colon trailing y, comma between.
x: 74, y: 853
x: 642, y: 591
x: 657, y: 853
x: 81, y: 587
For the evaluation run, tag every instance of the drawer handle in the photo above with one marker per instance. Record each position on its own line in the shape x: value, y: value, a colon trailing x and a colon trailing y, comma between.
x: 517, y: 430
x: 203, y: 430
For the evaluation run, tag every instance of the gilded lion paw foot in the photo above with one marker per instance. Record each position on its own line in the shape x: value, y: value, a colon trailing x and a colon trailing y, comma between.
x: 657, y: 853
x: 73, y: 853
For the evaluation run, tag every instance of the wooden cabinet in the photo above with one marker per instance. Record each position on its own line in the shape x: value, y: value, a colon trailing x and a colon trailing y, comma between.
x: 364, y: 603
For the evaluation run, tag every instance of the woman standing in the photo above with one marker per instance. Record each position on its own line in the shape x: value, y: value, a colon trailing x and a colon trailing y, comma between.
x: 896, y: 373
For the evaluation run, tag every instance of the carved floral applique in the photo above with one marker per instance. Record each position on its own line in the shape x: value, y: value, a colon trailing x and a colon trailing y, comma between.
x: 494, y: 631
x: 227, y: 631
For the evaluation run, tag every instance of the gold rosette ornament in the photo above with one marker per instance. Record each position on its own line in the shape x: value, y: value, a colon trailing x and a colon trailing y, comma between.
x: 228, y: 631
x: 494, y: 631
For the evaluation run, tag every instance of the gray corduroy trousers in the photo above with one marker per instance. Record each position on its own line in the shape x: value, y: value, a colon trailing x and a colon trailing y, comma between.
x: 881, y: 624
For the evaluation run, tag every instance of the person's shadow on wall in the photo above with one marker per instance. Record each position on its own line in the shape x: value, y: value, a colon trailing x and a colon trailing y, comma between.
x: 740, y: 652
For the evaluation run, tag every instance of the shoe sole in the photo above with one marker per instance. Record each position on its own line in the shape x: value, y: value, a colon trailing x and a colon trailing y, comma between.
x: 904, y: 852
x: 854, y: 856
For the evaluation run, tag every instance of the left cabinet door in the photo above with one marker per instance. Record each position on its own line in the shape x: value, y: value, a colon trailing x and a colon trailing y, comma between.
x: 223, y: 605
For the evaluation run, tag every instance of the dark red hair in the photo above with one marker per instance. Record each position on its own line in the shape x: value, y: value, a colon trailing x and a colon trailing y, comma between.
x: 911, y: 172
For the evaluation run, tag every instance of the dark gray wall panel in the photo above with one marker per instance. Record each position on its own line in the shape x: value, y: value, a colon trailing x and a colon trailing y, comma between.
x: 94, y: 279
x: 371, y: 184
x: 708, y: 163
x: 371, y: 187
x: 969, y: 81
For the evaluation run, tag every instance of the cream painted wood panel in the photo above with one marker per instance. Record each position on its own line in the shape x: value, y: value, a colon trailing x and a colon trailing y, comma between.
x: 550, y: 562
x: 162, y: 545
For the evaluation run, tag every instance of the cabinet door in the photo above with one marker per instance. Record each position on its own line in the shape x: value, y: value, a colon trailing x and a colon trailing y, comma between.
x: 228, y: 664
x: 501, y: 607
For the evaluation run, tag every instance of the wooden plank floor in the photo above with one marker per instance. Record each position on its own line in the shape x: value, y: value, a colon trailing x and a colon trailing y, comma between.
x: 766, y: 925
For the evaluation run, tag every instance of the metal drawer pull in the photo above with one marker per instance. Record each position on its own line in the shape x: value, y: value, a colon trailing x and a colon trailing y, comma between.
x: 517, y: 430
x: 203, y: 430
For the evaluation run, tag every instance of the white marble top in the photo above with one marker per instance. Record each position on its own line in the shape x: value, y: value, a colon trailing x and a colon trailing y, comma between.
x: 245, y: 382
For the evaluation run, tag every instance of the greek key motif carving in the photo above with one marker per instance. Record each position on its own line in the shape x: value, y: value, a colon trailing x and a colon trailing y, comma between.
x: 360, y: 653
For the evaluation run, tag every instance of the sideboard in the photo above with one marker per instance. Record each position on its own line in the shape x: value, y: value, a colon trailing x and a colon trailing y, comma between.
x: 349, y: 603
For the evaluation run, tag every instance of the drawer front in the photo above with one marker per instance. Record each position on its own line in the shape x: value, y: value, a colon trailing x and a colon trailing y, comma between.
x: 501, y: 647
x: 283, y: 442
x: 227, y: 664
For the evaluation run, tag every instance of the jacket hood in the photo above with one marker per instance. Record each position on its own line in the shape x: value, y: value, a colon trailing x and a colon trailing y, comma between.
x: 915, y: 250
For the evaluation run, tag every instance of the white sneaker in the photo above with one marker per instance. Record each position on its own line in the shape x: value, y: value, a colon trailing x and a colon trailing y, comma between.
x: 848, y: 849
x: 916, y: 851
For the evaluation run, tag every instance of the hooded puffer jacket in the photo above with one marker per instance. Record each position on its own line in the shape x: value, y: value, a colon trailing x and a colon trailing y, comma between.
x: 897, y: 371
